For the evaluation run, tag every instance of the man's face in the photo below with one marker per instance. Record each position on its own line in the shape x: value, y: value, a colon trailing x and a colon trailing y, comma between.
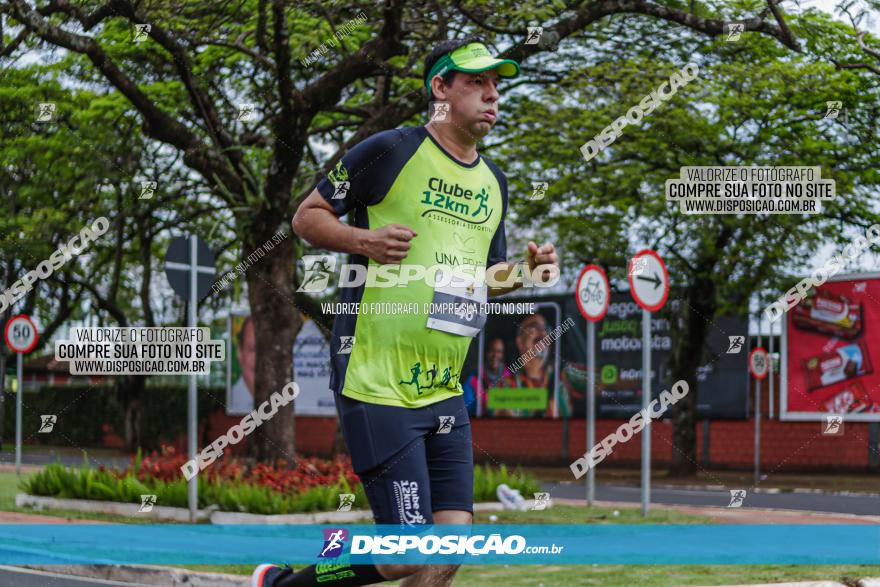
x: 247, y: 355
x: 473, y: 99
x: 495, y: 354
x: 532, y: 329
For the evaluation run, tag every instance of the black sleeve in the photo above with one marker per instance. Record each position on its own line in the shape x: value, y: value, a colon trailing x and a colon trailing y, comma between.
x: 365, y: 173
x: 498, y: 247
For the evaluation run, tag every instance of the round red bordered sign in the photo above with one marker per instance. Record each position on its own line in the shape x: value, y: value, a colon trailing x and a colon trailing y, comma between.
x: 21, y: 334
x: 648, y: 280
x: 759, y: 363
x: 592, y: 293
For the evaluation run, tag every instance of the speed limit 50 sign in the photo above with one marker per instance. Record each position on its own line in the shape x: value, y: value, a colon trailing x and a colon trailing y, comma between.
x: 21, y: 334
x: 759, y: 362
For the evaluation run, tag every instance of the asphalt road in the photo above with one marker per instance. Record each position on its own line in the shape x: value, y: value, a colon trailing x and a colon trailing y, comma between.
x: 815, y: 502
x: 16, y: 577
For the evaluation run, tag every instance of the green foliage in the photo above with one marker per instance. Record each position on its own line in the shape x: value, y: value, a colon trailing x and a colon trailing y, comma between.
x: 235, y: 496
x: 83, y: 412
x: 752, y: 103
x: 487, y: 479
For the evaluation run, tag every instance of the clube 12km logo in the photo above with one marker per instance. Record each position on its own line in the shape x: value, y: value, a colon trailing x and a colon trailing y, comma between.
x: 445, y: 199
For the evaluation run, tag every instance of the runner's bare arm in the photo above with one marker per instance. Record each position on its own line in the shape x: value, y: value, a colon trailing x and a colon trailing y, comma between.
x: 316, y: 222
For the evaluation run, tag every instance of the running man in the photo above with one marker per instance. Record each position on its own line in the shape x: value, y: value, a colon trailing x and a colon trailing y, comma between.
x: 422, y: 196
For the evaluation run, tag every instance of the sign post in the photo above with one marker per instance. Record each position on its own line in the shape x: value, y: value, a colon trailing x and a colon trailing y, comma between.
x: 189, y: 266
x: 759, y: 363
x: 21, y: 337
x: 649, y: 286
x: 593, y: 295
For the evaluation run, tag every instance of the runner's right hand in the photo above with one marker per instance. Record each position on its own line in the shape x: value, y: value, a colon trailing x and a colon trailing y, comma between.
x: 389, y: 244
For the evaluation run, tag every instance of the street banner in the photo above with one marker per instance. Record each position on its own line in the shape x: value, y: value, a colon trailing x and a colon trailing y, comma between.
x: 722, y: 379
x: 311, y: 368
x: 830, y: 352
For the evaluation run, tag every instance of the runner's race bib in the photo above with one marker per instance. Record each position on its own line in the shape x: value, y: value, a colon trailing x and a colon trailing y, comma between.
x: 458, y: 308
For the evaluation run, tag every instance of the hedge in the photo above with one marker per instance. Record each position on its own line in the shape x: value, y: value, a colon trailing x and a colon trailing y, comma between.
x: 83, y: 411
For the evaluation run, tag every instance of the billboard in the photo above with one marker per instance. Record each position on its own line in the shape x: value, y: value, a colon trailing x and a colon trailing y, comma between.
x: 311, y: 368
x: 242, y: 360
x: 311, y: 371
x: 830, y: 352
x: 558, y: 374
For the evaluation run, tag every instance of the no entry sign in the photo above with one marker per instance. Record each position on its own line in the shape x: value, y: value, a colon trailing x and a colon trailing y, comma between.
x: 21, y: 334
x: 592, y: 293
x: 648, y: 280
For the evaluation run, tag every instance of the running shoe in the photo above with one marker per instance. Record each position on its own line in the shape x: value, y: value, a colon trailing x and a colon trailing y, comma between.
x: 266, y: 575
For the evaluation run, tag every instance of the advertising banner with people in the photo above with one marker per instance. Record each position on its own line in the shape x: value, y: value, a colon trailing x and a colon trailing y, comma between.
x: 519, y: 375
x: 830, y: 352
x: 311, y: 368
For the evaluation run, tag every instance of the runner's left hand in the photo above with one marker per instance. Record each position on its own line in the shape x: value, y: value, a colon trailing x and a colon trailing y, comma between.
x: 543, y: 255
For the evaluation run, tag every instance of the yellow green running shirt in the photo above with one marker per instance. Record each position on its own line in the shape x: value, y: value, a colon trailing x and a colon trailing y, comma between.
x: 403, y: 176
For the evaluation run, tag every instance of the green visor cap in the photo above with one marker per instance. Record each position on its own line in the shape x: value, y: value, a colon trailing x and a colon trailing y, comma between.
x: 472, y: 58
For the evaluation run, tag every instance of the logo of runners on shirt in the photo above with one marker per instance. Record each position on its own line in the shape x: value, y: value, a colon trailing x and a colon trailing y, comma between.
x: 447, y: 378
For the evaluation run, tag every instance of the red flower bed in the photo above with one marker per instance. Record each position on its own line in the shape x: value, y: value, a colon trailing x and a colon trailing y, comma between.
x: 309, y: 471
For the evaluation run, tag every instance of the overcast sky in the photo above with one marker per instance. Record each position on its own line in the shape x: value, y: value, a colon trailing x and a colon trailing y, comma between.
x: 828, y: 6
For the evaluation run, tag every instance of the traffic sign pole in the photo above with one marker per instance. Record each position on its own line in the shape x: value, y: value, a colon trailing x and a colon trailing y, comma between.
x: 592, y: 295
x: 758, y: 415
x: 649, y: 286
x: 759, y: 366
x: 183, y: 266
x: 646, y: 400
x: 19, y: 368
x: 591, y: 407
x: 193, y: 483
x: 21, y: 338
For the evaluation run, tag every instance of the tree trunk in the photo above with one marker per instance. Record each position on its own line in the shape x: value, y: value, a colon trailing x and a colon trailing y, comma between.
x: 130, y: 391
x: 276, y: 322
x: 686, y: 358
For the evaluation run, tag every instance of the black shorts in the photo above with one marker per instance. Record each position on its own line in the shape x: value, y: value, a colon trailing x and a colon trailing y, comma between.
x: 412, y: 461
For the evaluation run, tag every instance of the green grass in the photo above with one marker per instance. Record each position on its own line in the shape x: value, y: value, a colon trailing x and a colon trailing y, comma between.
x: 655, y: 576
x: 617, y: 575
x: 569, y: 514
x: 234, y: 495
x: 627, y: 576
x: 10, y: 485
x: 548, y: 575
